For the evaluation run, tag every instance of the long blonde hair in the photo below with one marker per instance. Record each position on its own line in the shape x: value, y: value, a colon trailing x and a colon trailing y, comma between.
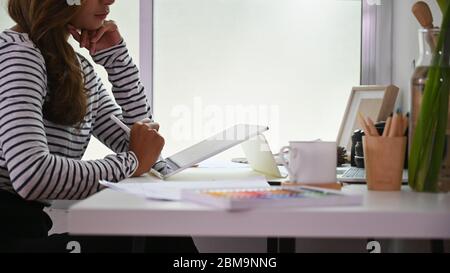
x: 45, y: 22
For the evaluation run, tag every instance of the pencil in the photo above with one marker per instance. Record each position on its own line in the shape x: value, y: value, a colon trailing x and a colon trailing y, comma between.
x: 387, y: 127
x: 394, y: 126
x: 372, y: 128
x: 363, y: 123
x: 405, y: 125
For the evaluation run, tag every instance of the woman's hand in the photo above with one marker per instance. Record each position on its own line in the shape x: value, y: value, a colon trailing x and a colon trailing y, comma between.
x: 147, y: 144
x: 105, y: 37
x: 150, y: 124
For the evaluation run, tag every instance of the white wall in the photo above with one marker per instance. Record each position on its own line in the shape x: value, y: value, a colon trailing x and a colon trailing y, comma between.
x: 406, y: 44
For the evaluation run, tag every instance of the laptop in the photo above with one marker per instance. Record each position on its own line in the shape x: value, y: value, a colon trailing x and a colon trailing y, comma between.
x: 208, y: 148
x: 261, y: 159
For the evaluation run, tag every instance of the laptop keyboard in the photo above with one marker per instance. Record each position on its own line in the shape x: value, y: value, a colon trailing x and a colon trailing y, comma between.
x: 355, y: 173
x: 359, y: 174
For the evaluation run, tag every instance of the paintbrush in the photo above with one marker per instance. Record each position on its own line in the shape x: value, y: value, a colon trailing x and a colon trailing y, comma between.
x: 423, y: 14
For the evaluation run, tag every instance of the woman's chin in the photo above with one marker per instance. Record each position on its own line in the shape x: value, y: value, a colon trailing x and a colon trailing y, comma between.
x: 92, y: 26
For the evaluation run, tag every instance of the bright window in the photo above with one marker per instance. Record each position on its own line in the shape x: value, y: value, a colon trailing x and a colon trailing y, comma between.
x: 5, y: 20
x: 289, y: 64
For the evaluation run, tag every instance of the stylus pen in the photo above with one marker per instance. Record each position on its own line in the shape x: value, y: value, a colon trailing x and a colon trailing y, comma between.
x: 123, y: 126
x: 120, y: 123
x: 126, y: 129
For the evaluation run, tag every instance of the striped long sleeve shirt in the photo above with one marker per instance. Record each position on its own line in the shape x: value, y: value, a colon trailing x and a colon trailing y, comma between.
x: 40, y: 160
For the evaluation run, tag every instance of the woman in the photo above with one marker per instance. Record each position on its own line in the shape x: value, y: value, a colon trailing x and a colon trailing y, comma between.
x: 51, y: 103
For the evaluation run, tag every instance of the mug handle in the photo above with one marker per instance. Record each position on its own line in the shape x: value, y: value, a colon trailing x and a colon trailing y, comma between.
x: 284, y: 161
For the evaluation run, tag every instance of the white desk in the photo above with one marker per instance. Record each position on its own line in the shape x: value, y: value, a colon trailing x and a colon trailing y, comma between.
x: 405, y: 214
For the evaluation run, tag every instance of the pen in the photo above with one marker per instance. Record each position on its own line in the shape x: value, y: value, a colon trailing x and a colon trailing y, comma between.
x: 120, y: 123
x: 123, y: 126
x: 128, y: 130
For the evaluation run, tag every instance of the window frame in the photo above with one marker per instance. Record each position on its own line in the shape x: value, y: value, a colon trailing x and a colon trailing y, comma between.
x: 376, y: 42
x: 146, y: 47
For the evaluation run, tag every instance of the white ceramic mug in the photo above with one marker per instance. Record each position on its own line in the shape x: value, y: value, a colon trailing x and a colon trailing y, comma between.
x: 312, y: 162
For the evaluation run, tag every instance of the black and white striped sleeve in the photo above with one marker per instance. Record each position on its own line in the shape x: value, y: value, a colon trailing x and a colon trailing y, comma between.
x: 129, y: 94
x: 104, y: 129
x: 35, y: 173
x: 128, y: 91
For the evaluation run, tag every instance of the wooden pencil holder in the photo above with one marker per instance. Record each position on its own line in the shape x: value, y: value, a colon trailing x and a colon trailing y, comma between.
x: 384, y: 159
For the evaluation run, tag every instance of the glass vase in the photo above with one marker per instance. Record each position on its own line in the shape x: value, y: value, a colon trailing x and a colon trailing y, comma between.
x: 427, y: 42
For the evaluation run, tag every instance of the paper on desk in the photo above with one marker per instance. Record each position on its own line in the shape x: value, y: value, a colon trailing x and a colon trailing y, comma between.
x: 171, y: 190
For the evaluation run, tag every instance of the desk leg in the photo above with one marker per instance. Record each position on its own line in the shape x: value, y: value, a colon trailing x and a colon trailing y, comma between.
x: 272, y: 245
x: 286, y: 245
x: 138, y: 245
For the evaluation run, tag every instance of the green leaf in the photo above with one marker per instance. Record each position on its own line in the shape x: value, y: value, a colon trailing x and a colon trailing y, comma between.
x: 443, y: 4
x: 429, y: 138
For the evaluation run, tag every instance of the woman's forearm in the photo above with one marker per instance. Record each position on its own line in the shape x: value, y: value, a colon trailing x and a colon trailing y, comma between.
x: 127, y: 88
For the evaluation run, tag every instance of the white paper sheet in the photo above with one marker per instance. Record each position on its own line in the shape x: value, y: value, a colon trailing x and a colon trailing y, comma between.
x: 171, y: 190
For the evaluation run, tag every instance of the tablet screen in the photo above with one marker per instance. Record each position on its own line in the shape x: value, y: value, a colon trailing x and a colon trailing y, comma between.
x: 216, y: 144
